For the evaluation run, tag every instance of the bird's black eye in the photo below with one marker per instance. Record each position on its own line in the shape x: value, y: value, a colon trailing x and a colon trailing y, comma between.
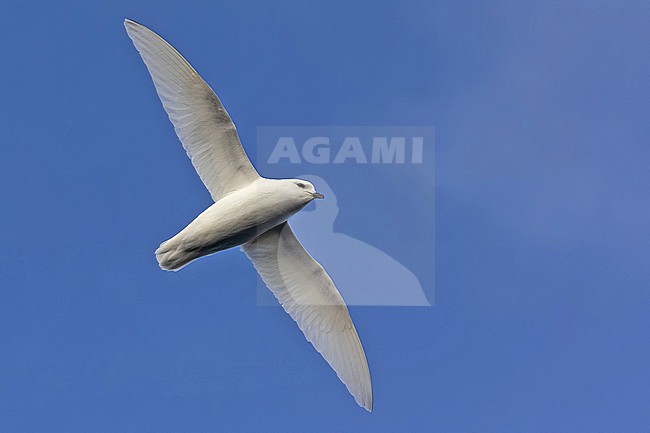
x: 301, y: 185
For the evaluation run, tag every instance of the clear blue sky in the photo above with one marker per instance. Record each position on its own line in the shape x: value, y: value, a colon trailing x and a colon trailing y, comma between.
x: 541, y: 313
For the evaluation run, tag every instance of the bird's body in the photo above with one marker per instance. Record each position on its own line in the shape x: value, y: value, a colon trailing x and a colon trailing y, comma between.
x: 237, y: 218
x: 250, y: 211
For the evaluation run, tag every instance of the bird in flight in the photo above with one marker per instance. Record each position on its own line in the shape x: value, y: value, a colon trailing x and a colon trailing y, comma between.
x: 249, y: 211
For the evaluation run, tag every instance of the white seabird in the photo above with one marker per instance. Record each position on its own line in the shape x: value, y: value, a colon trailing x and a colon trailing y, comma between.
x: 250, y: 211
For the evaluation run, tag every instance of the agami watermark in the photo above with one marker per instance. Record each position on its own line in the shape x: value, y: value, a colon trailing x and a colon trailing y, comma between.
x: 321, y: 150
x: 374, y: 232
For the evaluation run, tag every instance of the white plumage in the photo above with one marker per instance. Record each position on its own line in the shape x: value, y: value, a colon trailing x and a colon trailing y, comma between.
x: 250, y: 211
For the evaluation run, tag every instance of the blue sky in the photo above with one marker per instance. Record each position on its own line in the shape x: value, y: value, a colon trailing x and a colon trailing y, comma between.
x: 541, y: 195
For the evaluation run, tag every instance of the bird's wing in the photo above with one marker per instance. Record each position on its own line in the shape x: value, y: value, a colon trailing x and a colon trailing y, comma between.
x: 202, y: 124
x: 308, y: 294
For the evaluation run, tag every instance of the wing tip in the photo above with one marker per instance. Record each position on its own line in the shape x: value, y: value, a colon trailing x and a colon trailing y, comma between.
x: 367, y: 404
x: 130, y: 22
x: 132, y: 25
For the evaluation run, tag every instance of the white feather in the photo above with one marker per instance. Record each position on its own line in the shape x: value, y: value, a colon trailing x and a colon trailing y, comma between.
x: 308, y: 294
x: 202, y: 124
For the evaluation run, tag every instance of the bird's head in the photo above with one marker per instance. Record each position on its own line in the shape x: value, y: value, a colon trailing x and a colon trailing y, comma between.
x: 302, y: 189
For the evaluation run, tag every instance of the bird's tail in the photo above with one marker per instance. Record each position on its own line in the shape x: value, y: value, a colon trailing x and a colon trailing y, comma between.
x: 171, y: 257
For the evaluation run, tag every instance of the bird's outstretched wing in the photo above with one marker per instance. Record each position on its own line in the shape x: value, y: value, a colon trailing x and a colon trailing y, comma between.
x: 308, y: 294
x: 202, y: 124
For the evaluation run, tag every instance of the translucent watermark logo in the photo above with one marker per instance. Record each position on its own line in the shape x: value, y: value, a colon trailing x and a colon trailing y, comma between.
x: 374, y: 231
x: 318, y: 150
